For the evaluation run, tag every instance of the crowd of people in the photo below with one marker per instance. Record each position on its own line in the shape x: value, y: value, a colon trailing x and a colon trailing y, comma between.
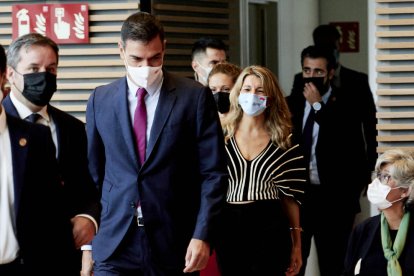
x: 217, y: 175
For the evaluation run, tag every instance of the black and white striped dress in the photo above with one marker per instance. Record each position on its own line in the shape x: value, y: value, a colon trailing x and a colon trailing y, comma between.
x: 271, y: 174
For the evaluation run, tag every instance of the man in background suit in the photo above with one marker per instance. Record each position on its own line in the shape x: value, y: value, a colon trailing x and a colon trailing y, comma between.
x: 335, y: 184
x: 351, y: 82
x: 161, y: 196
x: 206, y: 53
x: 32, y: 62
x: 35, y: 236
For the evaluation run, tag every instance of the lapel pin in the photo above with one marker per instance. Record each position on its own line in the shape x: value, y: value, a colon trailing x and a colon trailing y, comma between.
x: 22, y: 142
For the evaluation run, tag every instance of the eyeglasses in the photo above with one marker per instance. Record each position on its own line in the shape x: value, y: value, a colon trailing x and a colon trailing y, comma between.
x: 383, y: 178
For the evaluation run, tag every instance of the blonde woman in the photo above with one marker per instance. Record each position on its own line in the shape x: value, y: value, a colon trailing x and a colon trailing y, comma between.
x: 221, y: 80
x: 383, y: 245
x: 261, y: 232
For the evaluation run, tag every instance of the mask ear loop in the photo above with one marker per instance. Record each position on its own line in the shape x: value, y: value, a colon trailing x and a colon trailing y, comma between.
x: 403, y: 195
x: 127, y: 71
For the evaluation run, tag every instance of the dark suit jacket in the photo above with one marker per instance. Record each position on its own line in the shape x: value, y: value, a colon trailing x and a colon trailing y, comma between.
x: 365, y: 244
x: 356, y: 85
x: 340, y: 138
x: 347, y: 131
x: 43, y: 229
x: 183, y: 182
x: 80, y: 194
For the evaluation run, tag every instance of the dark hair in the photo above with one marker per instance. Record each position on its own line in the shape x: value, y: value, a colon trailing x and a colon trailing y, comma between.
x: 326, y: 36
x: 203, y: 43
x: 141, y: 26
x: 27, y: 41
x: 3, y: 60
x: 319, y: 52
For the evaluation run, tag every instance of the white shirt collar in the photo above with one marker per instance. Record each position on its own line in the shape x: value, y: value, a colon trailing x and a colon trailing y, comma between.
x: 2, y: 120
x: 24, y: 111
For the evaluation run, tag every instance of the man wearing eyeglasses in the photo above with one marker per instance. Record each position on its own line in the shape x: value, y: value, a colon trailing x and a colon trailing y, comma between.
x: 330, y: 122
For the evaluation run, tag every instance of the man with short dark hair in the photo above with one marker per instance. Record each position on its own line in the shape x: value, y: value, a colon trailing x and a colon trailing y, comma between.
x: 332, y: 122
x: 156, y: 150
x: 206, y: 52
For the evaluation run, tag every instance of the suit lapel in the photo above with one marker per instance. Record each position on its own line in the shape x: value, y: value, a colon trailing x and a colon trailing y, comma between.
x: 19, y: 141
x: 121, y: 111
x: 9, y: 107
x: 163, y: 111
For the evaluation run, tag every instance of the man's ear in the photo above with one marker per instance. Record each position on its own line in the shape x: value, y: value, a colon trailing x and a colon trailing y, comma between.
x: 194, y: 64
x: 121, y: 50
x: 9, y: 73
x: 331, y: 74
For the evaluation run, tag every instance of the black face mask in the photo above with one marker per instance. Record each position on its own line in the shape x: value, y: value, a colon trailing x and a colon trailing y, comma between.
x: 318, y: 82
x: 39, y: 87
x: 222, y: 101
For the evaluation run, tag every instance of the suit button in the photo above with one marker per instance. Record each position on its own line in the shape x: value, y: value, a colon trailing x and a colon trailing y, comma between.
x: 132, y: 204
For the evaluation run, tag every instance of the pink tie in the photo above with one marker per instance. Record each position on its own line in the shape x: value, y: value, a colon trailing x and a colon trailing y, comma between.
x: 140, y: 124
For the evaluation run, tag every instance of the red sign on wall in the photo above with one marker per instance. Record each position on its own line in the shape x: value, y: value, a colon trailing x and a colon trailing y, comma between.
x: 349, y: 31
x: 63, y: 23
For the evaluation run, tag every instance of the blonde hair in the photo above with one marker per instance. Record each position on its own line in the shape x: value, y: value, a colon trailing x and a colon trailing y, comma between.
x: 401, y: 170
x: 229, y: 69
x: 277, y: 116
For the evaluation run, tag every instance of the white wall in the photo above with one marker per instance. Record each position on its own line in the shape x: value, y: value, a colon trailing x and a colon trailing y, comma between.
x: 297, y: 19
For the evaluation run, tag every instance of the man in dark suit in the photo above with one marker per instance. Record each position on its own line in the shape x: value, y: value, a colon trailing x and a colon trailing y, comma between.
x: 332, y: 196
x: 35, y: 236
x: 162, y: 171
x: 350, y: 81
x: 205, y: 53
x: 32, y: 62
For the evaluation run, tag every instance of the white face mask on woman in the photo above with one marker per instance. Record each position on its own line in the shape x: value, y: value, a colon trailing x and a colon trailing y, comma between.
x: 377, y: 194
x: 252, y: 104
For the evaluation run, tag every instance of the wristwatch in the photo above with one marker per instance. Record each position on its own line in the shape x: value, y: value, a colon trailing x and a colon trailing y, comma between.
x: 317, y: 106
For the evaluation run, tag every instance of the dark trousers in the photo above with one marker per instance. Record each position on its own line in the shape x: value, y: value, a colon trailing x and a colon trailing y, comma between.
x: 14, y: 268
x: 133, y: 258
x: 254, y: 239
x: 329, y: 226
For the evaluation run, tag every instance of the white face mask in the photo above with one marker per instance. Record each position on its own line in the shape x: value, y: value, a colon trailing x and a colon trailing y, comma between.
x: 144, y: 76
x: 377, y: 194
x: 252, y: 104
x: 202, y: 78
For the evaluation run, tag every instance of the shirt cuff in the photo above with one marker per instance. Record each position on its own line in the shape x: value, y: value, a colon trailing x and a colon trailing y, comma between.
x: 86, y: 247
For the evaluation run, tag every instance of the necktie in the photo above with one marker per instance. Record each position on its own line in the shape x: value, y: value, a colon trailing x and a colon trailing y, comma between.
x: 33, y: 117
x: 307, y: 135
x: 140, y: 124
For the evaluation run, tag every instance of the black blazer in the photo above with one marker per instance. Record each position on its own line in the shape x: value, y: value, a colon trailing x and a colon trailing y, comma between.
x: 365, y: 244
x: 44, y: 232
x: 343, y: 128
x: 80, y: 194
x: 355, y: 84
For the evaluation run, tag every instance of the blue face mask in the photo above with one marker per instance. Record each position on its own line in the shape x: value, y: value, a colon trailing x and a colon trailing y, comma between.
x: 252, y: 104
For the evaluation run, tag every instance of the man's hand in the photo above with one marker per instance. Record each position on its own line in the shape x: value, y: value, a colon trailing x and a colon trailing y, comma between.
x: 198, y: 252
x: 311, y: 93
x: 87, y: 263
x: 83, y: 230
